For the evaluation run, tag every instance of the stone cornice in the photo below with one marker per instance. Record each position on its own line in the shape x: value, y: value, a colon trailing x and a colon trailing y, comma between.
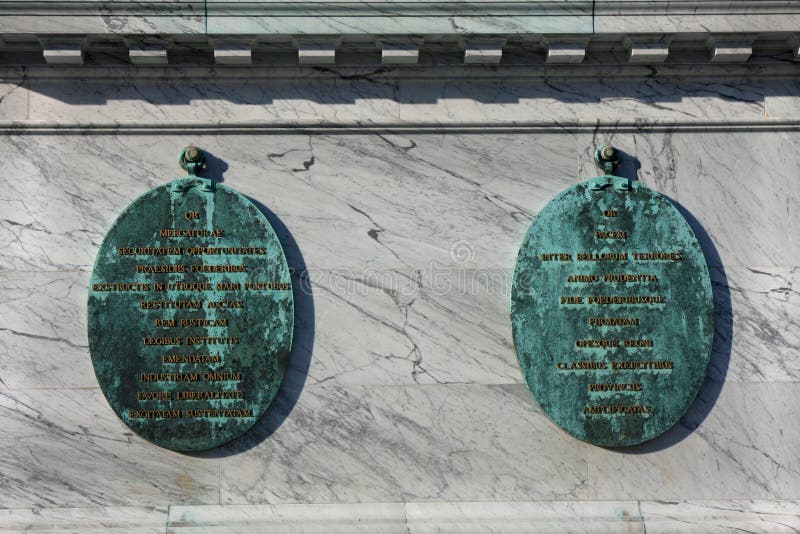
x: 596, y: 54
x: 418, y: 8
x: 400, y: 33
x: 497, y: 18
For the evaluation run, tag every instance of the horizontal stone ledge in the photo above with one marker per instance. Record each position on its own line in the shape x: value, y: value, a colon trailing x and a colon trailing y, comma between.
x: 132, y: 520
x: 439, y: 51
x: 350, y: 127
x: 312, y: 8
x: 757, y: 70
x: 467, y: 517
x: 756, y: 516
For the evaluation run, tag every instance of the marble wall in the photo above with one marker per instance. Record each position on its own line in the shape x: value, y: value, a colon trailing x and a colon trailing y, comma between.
x: 404, y: 409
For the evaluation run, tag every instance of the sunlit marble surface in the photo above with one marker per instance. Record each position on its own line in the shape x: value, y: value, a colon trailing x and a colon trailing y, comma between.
x: 391, y: 17
x: 404, y: 400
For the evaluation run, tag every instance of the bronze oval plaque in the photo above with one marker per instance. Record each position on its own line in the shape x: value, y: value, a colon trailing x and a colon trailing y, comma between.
x: 612, y: 312
x: 190, y: 315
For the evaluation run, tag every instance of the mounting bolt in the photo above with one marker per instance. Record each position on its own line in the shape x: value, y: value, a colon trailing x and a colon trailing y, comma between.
x: 192, y: 159
x: 192, y: 154
x: 605, y: 157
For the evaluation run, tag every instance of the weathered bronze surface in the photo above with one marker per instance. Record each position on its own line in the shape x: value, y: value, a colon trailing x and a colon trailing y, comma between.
x: 190, y: 315
x: 612, y: 312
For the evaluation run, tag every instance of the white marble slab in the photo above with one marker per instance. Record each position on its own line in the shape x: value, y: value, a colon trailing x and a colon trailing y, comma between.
x: 378, y: 518
x: 489, y: 186
x: 61, y: 18
x: 714, y: 516
x: 780, y: 100
x: 756, y: 310
x: 519, y: 517
x: 66, y: 448
x: 129, y: 520
x: 43, y: 331
x: 56, y: 212
x: 391, y: 17
x: 722, y: 517
x: 414, y: 443
x: 13, y: 98
x: 718, y: 17
x: 375, y: 213
x: 743, y: 448
x: 404, y: 97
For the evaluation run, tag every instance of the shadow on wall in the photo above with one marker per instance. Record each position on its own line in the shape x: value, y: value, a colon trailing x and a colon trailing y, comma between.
x: 723, y: 331
x: 302, y: 341
x: 347, y: 86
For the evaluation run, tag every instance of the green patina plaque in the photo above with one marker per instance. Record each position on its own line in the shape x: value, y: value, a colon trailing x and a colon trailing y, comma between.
x: 612, y: 312
x: 190, y: 314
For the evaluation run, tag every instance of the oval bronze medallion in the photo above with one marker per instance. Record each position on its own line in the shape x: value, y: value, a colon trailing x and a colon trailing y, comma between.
x: 190, y: 315
x: 612, y: 312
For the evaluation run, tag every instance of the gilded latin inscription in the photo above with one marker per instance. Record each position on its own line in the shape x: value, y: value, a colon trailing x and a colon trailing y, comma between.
x: 603, y: 289
x: 190, y: 322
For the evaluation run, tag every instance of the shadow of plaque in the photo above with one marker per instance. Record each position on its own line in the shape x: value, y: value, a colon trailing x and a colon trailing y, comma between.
x: 612, y: 311
x: 190, y: 313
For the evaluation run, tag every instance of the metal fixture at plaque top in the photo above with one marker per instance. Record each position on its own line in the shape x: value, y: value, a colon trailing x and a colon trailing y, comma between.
x: 605, y: 157
x: 192, y: 159
x: 607, y: 160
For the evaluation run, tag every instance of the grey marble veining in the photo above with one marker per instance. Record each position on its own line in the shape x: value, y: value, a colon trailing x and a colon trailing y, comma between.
x: 393, y: 328
x: 67, y: 448
x: 397, y: 18
x: 372, y: 518
x: 715, y: 516
x: 413, y: 518
x: 456, y: 443
x: 752, y: 174
x: 383, y: 208
x: 721, y: 517
x: 379, y: 96
x: 98, y: 19
x: 701, y: 517
x: 394, y: 302
x: 43, y: 331
x: 91, y: 520
x: 777, y: 101
x: 382, y: 194
x: 593, y: 517
x: 13, y: 99
x: 743, y: 449
x: 314, y: 17
x: 408, y: 443
x: 757, y: 311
